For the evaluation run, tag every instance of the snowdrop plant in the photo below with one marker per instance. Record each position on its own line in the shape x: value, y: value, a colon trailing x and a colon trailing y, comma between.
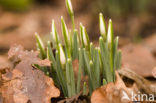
x: 98, y: 63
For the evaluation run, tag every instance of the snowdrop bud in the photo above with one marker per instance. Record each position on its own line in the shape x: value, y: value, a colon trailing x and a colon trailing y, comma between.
x: 62, y: 55
x: 79, y: 49
x: 84, y: 36
x: 110, y: 32
x: 69, y: 7
x: 65, y: 31
x: 39, y: 40
x: 91, y: 62
x: 68, y: 60
x: 48, y: 56
x: 53, y: 31
x: 102, y: 25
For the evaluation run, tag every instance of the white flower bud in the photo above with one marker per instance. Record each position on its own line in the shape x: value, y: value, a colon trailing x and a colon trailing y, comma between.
x: 110, y: 32
x: 69, y: 7
x: 84, y: 37
x: 53, y: 31
x: 62, y: 55
x: 102, y: 25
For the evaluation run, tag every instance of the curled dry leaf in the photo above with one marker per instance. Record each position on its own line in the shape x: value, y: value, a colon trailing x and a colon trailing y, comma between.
x: 112, y: 93
x: 25, y: 84
x: 17, y: 53
x: 154, y: 72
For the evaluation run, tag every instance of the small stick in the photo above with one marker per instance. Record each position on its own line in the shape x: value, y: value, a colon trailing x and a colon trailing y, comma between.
x: 141, y: 82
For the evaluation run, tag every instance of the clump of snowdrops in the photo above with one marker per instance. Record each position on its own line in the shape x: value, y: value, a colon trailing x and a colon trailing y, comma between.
x: 98, y: 63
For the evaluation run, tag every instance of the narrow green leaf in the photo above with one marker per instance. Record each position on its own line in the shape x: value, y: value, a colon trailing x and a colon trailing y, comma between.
x: 61, y: 75
x: 79, y: 72
x: 115, y: 52
x: 88, y: 69
x: 54, y: 35
x: 53, y: 66
x: 75, y: 46
x: 97, y: 67
x: 83, y: 66
x: 68, y: 79
x: 40, y: 46
x: 92, y: 76
x: 110, y: 39
x: 84, y: 89
x: 91, y: 50
x: 70, y: 11
x: 81, y: 35
x: 72, y: 77
x: 65, y: 34
x: 105, y: 60
x: 69, y: 7
x: 119, y: 55
x: 104, y: 82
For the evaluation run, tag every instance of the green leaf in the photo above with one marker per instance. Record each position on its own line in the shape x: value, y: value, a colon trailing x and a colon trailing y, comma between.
x: 40, y: 46
x: 119, y: 55
x: 61, y: 75
x: 91, y: 50
x: 105, y: 61
x: 116, y: 52
x: 69, y: 7
x: 96, y: 71
x: 65, y: 35
x: 88, y: 64
x: 70, y: 11
x: 70, y: 78
x: 84, y: 89
x: 92, y: 77
x: 54, y: 35
x: 110, y: 40
x: 53, y: 66
x: 80, y: 71
x: 75, y: 45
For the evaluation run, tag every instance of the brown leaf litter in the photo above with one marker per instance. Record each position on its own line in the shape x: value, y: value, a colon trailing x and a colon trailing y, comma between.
x: 154, y: 72
x: 139, y: 59
x: 25, y: 84
x: 118, y: 92
x: 111, y: 93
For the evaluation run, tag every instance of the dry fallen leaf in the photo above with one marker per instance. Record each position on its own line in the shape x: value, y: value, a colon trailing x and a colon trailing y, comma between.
x: 139, y: 59
x: 25, y: 84
x: 150, y: 43
x: 111, y: 93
